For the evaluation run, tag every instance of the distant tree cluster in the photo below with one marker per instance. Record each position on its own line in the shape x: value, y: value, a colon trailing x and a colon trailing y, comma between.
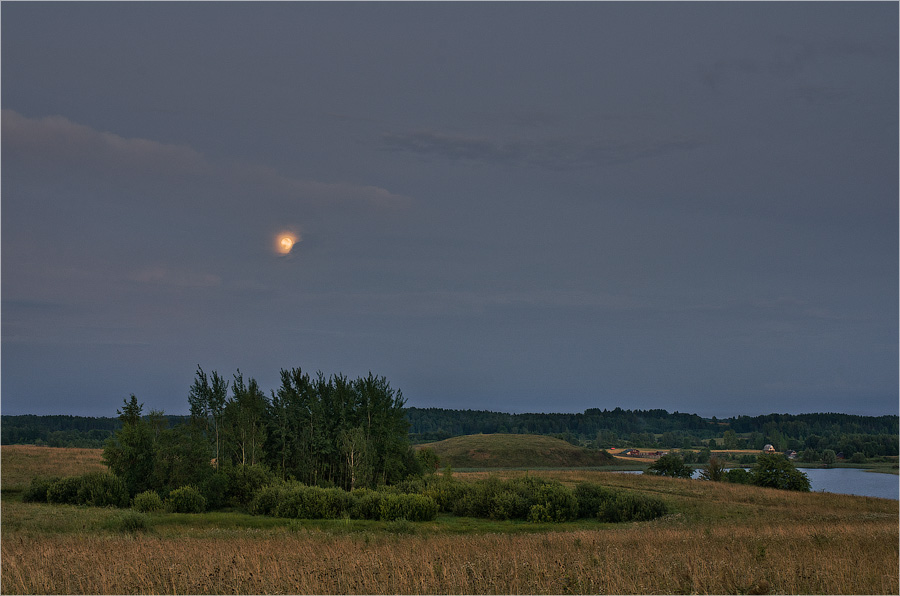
x: 771, y: 470
x: 870, y: 436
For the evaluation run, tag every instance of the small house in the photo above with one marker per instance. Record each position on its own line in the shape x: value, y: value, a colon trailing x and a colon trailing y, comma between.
x: 769, y: 449
x: 790, y: 454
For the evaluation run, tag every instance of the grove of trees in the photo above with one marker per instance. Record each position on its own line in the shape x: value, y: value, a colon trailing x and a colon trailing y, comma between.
x: 327, y: 432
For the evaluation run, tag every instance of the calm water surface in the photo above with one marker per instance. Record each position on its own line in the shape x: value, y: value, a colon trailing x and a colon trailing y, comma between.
x: 848, y: 481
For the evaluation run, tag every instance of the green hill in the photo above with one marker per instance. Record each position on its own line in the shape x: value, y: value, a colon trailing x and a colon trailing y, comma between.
x: 515, y: 451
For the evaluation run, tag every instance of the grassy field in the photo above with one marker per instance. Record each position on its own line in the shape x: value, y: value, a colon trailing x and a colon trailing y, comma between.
x: 515, y: 451
x: 719, y: 539
x: 21, y: 463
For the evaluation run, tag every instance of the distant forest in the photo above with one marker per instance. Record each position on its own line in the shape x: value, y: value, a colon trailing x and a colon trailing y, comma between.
x: 595, y: 428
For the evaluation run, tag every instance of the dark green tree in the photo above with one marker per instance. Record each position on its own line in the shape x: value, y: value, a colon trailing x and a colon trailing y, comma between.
x: 809, y: 455
x: 207, y: 402
x: 129, y: 453
x: 703, y: 455
x: 669, y: 465
x: 773, y: 470
x: 181, y: 458
x: 245, y: 421
x: 730, y: 439
x: 714, y: 470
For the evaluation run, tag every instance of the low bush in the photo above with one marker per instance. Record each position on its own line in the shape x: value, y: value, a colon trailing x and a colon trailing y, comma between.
x: 130, y: 521
x: 187, y: 499
x: 409, y: 507
x: 557, y: 503
x: 311, y: 502
x: 37, y: 491
x: 64, y: 491
x: 102, y: 489
x: 737, y: 476
x: 365, y: 504
x: 148, y: 502
x: 524, y: 498
x: 266, y: 499
x: 591, y: 497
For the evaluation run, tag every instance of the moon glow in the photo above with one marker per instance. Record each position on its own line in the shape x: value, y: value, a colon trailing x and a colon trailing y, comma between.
x: 285, y: 242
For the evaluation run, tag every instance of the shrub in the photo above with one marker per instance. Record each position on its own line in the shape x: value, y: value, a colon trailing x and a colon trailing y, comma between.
x: 37, y: 491
x: 365, y: 504
x: 738, y: 476
x: 148, y: 502
x: 445, y: 491
x: 558, y: 502
x: 327, y: 503
x: 245, y: 481
x: 187, y: 499
x: 410, y: 486
x: 538, y: 514
x: 64, y: 491
x: 266, y: 500
x: 312, y: 502
x: 858, y: 458
x: 408, y: 507
x: 591, y: 497
x: 508, y: 504
x: 102, y: 489
x: 130, y: 521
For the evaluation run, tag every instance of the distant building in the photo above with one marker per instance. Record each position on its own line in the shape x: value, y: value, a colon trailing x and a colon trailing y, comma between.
x: 769, y: 449
x: 790, y: 454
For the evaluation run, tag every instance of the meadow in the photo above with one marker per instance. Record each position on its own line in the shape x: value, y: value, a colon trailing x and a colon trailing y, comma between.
x: 719, y: 538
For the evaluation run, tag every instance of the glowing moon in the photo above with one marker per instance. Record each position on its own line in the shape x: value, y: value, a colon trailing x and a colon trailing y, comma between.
x: 285, y: 241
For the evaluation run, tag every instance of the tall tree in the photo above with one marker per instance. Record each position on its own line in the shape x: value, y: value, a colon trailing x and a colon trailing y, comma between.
x: 245, y: 419
x: 207, y: 402
x: 129, y: 453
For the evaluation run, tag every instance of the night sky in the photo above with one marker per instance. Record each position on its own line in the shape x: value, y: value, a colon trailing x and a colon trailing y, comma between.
x: 507, y: 206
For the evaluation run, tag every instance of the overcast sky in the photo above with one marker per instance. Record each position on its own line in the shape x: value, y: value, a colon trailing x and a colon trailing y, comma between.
x: 506, y: 206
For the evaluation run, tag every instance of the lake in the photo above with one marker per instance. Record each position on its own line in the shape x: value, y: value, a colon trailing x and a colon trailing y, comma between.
x: 848, y: 481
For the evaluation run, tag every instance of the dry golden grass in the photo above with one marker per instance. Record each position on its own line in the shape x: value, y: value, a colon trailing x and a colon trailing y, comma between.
x: 635, y: 559
x: 720, y: 539
x: 21, y: 463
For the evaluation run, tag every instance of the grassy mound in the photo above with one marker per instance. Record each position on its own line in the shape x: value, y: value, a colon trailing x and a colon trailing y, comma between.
x: 515, y: 451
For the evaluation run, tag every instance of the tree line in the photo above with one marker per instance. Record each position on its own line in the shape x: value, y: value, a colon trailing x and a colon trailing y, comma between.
x: 870, y: 435
x: 811, y: 433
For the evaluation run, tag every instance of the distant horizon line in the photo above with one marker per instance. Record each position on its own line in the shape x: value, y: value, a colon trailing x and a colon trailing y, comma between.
x: 607, y: 409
